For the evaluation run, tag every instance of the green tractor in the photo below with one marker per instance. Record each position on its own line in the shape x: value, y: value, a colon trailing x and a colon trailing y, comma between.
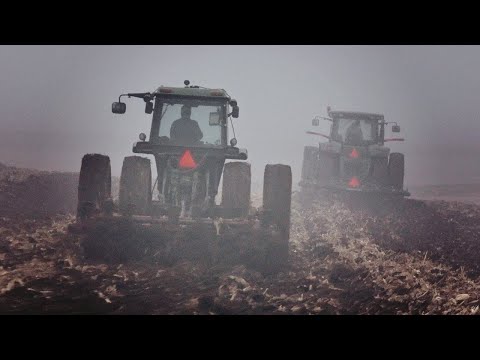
x: 190, y: 145
x: 355, y: 158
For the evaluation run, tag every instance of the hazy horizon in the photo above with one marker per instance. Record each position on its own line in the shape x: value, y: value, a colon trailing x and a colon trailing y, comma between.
x: 55, y: 102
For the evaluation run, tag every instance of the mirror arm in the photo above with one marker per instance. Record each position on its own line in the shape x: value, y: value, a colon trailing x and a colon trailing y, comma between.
x: 140, y: 95
x: 145, y: 96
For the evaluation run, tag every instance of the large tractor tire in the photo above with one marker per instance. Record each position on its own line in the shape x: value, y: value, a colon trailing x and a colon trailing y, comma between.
x: 309, y: 174
x: 325, y: 168
x: 396, y: 170
x: 380, y: 170
x: 309, y: 166
x: 135, y: 196
x: 236, y: 188
x: 277, y: 196
x: 95, y: 185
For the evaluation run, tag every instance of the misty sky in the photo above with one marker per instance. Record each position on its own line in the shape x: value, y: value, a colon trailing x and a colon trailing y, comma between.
x: 55, y: 101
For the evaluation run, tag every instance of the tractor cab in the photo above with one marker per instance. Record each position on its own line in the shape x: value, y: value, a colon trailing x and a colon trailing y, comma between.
x: 355, y: 129
x: 189, y: 117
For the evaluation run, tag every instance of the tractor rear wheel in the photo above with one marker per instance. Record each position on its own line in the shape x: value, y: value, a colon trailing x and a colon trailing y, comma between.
x: 135, y: 196
x: 309, y: 166
x: 396, y: 169
x: 236, y: 188
x: 277, y: 195
x: 95, y: 184
x: 325, y: 168
x: 380, y: 170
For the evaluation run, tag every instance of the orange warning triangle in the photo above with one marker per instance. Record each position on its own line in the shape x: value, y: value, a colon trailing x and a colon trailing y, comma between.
x: 354, y: 154
x: 354, y: 182
x: 186, y: 161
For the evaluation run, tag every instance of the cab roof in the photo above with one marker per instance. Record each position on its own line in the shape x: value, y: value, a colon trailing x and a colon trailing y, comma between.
x: 356, y: 115
x: 192, y: 91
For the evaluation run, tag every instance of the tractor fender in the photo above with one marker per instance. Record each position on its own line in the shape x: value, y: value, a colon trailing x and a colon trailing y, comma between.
x: 378, y: 151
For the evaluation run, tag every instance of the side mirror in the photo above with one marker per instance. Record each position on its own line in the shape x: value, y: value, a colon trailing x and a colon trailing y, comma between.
x: 235, y: 111
x: 315, y: 122
x: 119, y: 108
x: 395, y: 128
x: 148, y: 107
x: 214, y: 119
